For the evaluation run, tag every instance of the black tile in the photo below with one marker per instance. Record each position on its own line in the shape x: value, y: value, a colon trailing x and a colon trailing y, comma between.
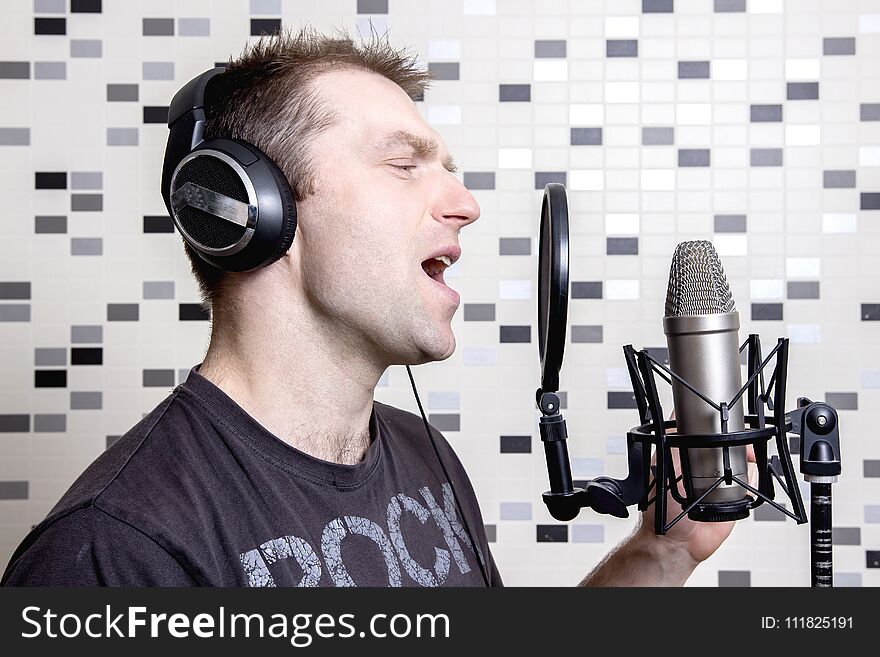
x: 86, y: 356
x: 622, y: 246
x: 660, y: 354
x: 15, y: 290
x: 586, y: 290
x: 192, y: 312
x: 265, y: 26
x: 50, y: 26
x: 15, y: 70
x: 872, y: 558
x: 621, y: 48
x: 871, y: 312
x: 553, y: 534
x: 50, y: 180
x: 155, y: 114
x: 870, y: 201
x: 158, y: 224
x: 766, y: 113
x: 50, y: 378
x: 85, y: 6
x: 516, y: 444
x: 14, y: 423
x: 514, y: 93
x: 802, y: 90
x: 542, y: 178
x: 766, y: 312
x: 619, y: 399
x: 586, y: 136
x: 515, y: 333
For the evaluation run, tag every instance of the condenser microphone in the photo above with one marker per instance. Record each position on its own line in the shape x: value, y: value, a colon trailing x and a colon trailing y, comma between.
x: 702, y: 333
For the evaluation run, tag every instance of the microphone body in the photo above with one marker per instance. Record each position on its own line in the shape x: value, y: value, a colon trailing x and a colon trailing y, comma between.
x: 702, y: 335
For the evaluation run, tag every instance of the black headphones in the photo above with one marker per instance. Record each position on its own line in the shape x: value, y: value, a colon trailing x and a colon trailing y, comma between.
x: 231, y: 203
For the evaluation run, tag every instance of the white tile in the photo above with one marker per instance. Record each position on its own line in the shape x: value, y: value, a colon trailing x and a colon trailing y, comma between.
x: 871, y: 378
x: 869, y: 23
x: 444, y: 114
x: 586, y: 179
x: 550, y: 70
x: 617, y: 377
x: 479, y: 356
x: 621, y: 27
x: 514, y: 158
x: 802, y: 69
x: 479, y: 7
x: 804, y: 333
x: 514, y: 289
x: 802, y: 267
x: 622, y: 224
x: 658, y: 180
x: 621, y: 290
x: 621, y: 92
x: 586, y: 114
x: 839, y: 223
x: 766, y: 6
x: 761, y: 289
x: 693, y: 113
x: 731, y: 245
x: 803, y: 135
x: 444, y: 49
x: 869, y: 156
x: 730, y: 69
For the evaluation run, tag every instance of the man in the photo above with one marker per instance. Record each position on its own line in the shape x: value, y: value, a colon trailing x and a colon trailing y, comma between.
x: 272, y: 464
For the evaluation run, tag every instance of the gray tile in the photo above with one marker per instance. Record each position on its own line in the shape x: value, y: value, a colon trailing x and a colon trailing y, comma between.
x: 620, y: 399
x: 694, y: 157
x: 621, y: 48
x: 587, y: 533
x: 514, y: 444
x: 846, y: 535
x: 515, y: 334
x: 84, y: 334
x: 847, y: 580
x: 50, y: 224
x: 479, y: 312
x: 869, y: 112
x: 372, y: 6
x: 586, y: 136
x: 872, y: 513
x: 15, y: 290
x: 86, y: 48
x: 766, y: 513
x: 15, y: 312
x: 622, y: 246
x: 444, y: 400
x: 194, y: 26
x: 122, y: 92
x: 86, y: 246
x: 444, y: 70
x: 15, y: 70
x: 86, y: 401
x: 49, y: 356
x: 658, y: 136
x: 273, y: 6
x: 839, y: 179
x: 515, y: 511
x: 765, y: 113
x: 491, y: 533
x: 49, y: 6
x: 158, y: 378
x: 803, y: 289
x: 50, y: 422
x: 50, y: 70
x: 586, y: 290
x: 122, y: 312
x: 724, y: 6
x: 802, y: 90
x: 736, y: 578
x: 766, y: 312
x: 86, y: 179
x: 765, y: 157
x: 13, y: 423
x: 158, y: 27
x: 730, y: 223
x: 15, y: 136
x: 550, y: 48
x: 510, y: 246
x: 122, y: 136
x: 839, y: 46
x: 109, y: 440
x: 869, y: 201
x: 843, y: 401
x: 158, y: 289
x: 86, y: 202
x: 158, y: 70
x: 445, y: 421
x: 13, y: 490
x: 657, y: 6
x: 693, y: 70
x: 660, y: 354
x: 479, y: 179
x: 586, y: 333
x: 514, y: 93
x: 543, y: 178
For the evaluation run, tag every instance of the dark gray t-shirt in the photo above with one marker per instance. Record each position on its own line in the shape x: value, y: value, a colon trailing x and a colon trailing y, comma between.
x: 200, y: 493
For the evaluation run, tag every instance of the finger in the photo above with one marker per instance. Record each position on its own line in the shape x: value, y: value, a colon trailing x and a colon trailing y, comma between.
x: 750, y: 454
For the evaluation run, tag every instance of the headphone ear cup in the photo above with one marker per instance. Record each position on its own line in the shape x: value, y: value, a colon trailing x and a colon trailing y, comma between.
x: 288, y: 212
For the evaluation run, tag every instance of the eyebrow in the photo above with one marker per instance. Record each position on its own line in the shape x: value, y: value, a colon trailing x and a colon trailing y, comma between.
x: 422, y: 146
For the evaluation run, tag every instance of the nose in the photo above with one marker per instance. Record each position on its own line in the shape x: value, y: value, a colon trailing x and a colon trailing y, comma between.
x: 456, y: 204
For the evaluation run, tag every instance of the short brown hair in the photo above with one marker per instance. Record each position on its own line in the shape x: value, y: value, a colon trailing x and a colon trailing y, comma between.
x: 265, y: 98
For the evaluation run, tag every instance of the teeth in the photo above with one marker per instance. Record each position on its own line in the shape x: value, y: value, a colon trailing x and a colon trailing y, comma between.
x: 445, y: 260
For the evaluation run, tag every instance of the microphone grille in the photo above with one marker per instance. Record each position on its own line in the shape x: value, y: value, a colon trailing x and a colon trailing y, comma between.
x: 697, y: 283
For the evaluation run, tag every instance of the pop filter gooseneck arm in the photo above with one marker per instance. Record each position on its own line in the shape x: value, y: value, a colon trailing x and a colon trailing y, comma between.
x: 602, y: 494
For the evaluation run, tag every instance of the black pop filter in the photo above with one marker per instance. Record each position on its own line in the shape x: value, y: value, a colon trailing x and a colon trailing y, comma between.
x: 552, y: 284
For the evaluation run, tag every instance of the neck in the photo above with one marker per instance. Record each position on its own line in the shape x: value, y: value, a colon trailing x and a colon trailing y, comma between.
x: 310, y: 386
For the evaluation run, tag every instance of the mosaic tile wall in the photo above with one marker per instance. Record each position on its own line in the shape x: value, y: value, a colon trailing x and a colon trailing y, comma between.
x: 752, y: 123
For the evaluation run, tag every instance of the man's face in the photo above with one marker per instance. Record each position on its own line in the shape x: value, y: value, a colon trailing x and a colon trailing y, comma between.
x: 385, y: 204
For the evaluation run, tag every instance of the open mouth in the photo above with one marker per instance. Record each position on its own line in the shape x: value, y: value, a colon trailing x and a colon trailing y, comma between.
x: 434, y: 268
